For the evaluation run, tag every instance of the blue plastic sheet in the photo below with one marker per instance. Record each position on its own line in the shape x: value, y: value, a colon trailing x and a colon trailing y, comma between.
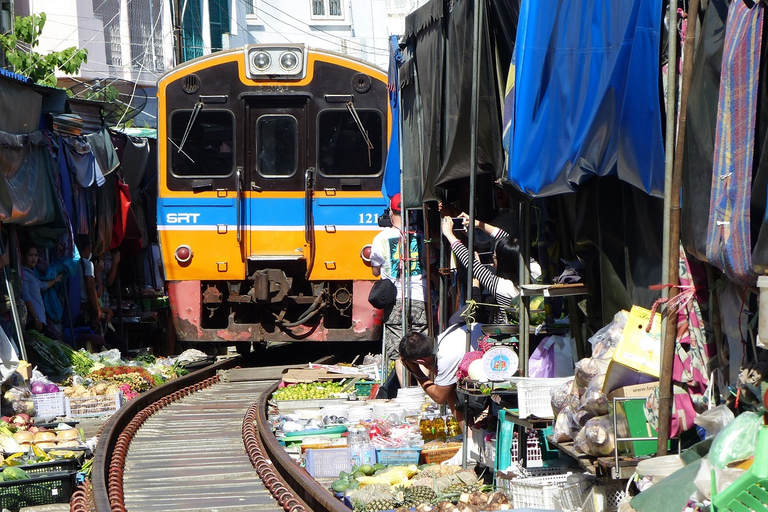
x: 583, y: 96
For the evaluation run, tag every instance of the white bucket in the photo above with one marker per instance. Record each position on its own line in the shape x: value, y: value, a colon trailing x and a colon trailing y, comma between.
x: 659, y: 467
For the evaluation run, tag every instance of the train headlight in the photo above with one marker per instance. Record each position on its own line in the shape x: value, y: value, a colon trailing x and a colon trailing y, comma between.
x: 261, y: 61
x: 275, y: 61
x: 365, y: 253
x: 289, y: 61
x: 183, y: 254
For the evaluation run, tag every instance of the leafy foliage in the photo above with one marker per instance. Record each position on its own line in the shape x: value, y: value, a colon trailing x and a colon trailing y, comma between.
x: 40, y: 68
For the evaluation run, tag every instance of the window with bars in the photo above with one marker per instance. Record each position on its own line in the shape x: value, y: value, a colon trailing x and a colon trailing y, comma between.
x: 327, y: 10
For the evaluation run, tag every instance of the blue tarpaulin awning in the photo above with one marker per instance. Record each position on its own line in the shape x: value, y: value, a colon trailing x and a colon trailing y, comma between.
x: 583, y: 96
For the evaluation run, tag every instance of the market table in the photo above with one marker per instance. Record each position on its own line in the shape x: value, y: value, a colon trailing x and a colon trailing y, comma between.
x: 599, y: 466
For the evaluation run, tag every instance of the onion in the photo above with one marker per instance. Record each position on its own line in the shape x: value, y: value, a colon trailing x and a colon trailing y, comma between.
x: 52, y: 388
x: 38, y: 388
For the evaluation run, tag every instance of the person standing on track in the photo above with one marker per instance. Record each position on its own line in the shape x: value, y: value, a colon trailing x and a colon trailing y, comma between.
x: 391, y: 260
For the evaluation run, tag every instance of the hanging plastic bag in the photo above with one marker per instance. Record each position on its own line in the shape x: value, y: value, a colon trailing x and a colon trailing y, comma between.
x: 541, y: 364
x: 9, y: 360
x: 714, y: 420
x: 737, y: 441
x: 563, y: 356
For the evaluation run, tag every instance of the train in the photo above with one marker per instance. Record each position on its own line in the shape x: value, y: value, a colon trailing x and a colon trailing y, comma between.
x: 270, y: 191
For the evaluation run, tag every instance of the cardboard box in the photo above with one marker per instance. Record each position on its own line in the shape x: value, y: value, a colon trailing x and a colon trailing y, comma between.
x: 637, y: 359
x: 636, y: 391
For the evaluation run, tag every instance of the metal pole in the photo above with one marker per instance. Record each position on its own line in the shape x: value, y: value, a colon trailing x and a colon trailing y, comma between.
x: 671, y: 234
x: 524, y: 274
x: 178, y: 29
x: 474, y: 114
x: 14, y: 309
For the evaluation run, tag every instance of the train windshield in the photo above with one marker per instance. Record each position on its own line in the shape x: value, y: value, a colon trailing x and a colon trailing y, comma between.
x: 343, y: 148
x: 202, y: 143
x: 277, y: 145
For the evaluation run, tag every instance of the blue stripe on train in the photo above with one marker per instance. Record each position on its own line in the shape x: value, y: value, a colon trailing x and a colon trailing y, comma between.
x: 268, y: 211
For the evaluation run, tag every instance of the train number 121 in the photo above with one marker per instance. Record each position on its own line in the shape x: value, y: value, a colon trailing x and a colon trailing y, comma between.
x: 369, y: 218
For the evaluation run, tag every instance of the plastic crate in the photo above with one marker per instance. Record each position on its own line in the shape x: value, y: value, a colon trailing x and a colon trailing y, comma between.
x: 533, y: 396
x: 53, y: 465
x: 398, y: 456
x: 363, y: 387
x: 328, y: 462
x: 92, y: 406
x: 39, y: 489
x: 534, y: 492
x: 49, y: 405
x: 604, y: 497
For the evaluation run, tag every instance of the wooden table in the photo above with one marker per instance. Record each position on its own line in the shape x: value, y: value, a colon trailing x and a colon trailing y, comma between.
x: 603, y: 467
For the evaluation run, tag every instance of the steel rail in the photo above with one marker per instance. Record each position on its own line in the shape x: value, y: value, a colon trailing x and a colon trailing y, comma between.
x: 291, y: 486
x: 127, y: 415
x: 316, y: 496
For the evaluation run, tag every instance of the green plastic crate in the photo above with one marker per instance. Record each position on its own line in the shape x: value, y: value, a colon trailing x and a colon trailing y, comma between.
x: 39, y: 489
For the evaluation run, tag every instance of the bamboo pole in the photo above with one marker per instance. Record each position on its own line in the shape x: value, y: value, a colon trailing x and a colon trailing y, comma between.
x: 673, y: 209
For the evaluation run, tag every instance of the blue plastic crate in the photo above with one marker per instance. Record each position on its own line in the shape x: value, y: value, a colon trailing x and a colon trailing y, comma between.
x: 398, y: 456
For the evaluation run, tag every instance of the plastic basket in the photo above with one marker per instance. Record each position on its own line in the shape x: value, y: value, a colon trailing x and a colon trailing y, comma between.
x: 535, y: 492
x: 750, y: 490
x: 293, y: 405
x: 328, y: 462
x: 92, y: 406
x: 40, y: 489
x: 533, y: 396
x: 363, y: 388
x: 398, y: 456
x: 604, y: 498
x: 53, y: 465
x: 50, y: 404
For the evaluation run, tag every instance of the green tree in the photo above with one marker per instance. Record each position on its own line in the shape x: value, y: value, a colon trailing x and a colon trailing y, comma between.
x: 19, y: 52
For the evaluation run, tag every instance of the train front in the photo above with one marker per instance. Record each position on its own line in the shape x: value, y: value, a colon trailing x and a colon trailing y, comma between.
x: 270, y: 189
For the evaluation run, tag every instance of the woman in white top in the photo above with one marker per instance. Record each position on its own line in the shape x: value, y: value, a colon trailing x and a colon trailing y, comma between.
x: 503, y: 282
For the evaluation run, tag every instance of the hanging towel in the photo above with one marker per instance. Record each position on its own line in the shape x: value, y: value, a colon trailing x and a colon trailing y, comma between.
x: 729, y: 245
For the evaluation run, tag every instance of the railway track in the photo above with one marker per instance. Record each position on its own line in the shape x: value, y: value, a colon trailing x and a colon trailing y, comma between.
x: 200, y: 443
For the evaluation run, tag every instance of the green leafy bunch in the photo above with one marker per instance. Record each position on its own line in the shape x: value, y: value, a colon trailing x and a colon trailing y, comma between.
x: 18, y: 47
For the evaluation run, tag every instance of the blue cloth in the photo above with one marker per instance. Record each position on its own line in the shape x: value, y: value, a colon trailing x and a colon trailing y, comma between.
x: 584, y: 91
x: 392, y: 167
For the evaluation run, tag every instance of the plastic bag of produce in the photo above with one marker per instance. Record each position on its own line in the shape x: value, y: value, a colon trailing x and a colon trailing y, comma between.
x: 563, y: 395
x: 586, y: 370
x: 18, y: 400
x: 596, y: 438
x: 593, y: 399
x: 605, y: 340
x: 737, y: 441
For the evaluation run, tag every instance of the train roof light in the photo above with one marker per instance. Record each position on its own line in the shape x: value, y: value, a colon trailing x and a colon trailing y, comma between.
x: 267, y: 61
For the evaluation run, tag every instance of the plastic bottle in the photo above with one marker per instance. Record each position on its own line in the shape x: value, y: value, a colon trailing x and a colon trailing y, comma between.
x: 438, y: 428
x: 452, y: 427
x: 358, y: 443
x: 425, y: 427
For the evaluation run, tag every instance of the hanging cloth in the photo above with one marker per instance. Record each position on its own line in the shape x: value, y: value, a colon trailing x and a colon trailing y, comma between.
x: 82, y: 162
x: 104, y: 151
x: 121, y: 213
x: 729, y: 245
x: 694, y: 356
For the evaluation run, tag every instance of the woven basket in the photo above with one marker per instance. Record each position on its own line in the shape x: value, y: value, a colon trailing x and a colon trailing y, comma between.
x: 438, y: 455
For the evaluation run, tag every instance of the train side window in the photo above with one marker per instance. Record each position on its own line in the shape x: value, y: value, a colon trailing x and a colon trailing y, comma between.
x: 277, y: 145
x: 342, y: 148
x: 203, y: 147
